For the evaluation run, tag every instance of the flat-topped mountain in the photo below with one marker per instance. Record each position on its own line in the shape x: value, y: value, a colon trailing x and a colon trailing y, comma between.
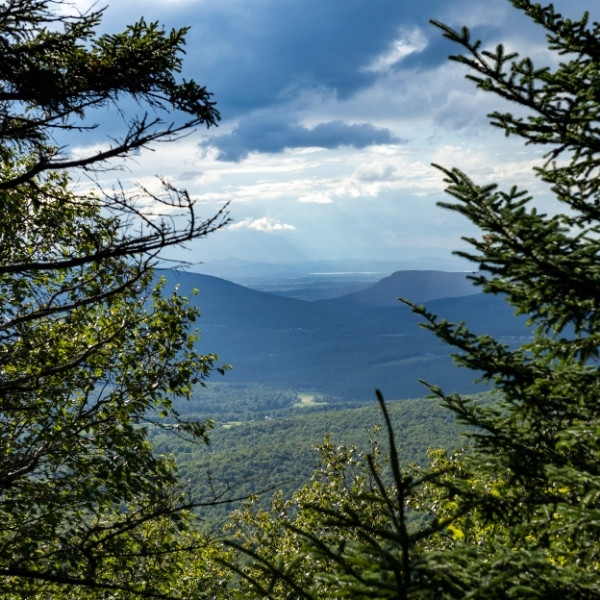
x: 417, y: 286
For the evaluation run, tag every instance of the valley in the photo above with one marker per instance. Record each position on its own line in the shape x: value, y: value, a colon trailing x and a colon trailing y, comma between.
x: 273, y: 443
x: 302, y: 370
x: 346, y: 346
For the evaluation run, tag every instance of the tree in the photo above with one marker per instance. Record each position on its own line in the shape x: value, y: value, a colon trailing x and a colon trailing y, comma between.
x: 359, y: 529
x: 55, y: 72
x: 539, y: 439
x: 314, y: 545
x: 517, y: 515
x: 92, y: 350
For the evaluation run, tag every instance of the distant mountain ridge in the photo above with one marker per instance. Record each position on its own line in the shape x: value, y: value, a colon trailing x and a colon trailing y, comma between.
x: 344, y: 347
x: 241, y: 271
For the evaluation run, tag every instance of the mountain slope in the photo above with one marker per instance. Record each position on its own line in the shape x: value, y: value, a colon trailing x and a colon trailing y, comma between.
x: 343, y: 348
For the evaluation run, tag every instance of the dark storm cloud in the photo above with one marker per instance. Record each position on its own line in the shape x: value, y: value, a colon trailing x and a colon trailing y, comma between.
x: 265, y: 57
x: 257, y: 54
x: 280, y: 56
x: 272, y: 136
x: 264, y: 53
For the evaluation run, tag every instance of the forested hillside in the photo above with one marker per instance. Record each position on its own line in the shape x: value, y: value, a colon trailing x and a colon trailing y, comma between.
x: 416, y: 286
x: 265, y: 439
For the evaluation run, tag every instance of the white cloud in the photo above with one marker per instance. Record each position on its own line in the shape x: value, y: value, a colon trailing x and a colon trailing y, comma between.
x: 316, y: 198
x: 265, y: 224
x: 407, y: 43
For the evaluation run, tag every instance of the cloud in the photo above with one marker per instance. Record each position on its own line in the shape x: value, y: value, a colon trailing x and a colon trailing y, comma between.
x: 264, y: 53
x: 336, y: 84
x: 406, y: 44
x: 268, y: 53
x: 375, y: 171
x: 264, y: 224
x: 272, y: 135
x: 316, y: 198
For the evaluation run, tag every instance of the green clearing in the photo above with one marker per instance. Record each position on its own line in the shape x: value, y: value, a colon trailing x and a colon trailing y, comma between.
x: 307, y: 400
x: 231, y: 424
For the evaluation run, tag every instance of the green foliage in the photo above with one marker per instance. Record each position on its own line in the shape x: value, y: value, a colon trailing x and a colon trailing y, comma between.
x: 254, y: 457
x: 517, y: 516
x: 541, y: 437
x: 92, y: 351
x: 296, y: 549
x: 56, y: 68
x: 359, y: 529
x: 89, y: 355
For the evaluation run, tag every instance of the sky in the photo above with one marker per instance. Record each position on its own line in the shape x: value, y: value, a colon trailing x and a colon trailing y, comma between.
x: 333, y: 112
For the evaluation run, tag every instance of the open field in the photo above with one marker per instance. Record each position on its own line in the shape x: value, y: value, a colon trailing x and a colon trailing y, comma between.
x: 307, y: 400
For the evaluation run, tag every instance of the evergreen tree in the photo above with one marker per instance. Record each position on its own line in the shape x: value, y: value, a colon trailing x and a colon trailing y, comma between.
x: 536, y: 450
